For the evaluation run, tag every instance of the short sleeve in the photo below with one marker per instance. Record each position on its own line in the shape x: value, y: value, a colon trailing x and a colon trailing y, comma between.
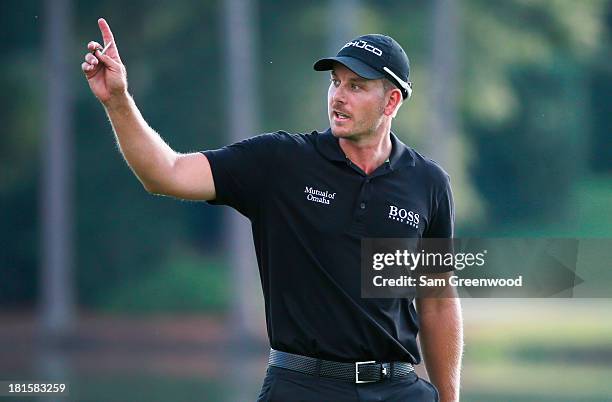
x: 442, y: 220
x: 441, y: 226
x: 241, y: 172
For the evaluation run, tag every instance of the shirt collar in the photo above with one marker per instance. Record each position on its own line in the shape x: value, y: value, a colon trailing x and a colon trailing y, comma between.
x: 328, y: 146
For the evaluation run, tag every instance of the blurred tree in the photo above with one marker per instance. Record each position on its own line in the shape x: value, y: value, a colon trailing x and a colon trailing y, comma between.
x: 21, y: 113
x: 56, y: 203
x: 444, y: 64
x: 600, y: 155
x: 241, y: 21
x: 525, y: 103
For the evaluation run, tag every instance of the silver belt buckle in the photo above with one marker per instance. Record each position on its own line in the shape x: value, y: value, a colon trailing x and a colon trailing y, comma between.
x: 357, y: 380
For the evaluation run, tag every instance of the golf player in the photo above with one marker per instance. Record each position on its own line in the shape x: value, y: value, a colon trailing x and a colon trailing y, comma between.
x: 311, y: 198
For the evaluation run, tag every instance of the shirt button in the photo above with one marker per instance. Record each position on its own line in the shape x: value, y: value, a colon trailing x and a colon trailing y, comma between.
x: 363, y: 205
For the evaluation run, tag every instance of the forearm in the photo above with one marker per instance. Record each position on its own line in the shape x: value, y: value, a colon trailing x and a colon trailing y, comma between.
x: 441, y: 338
x: 149, y: 157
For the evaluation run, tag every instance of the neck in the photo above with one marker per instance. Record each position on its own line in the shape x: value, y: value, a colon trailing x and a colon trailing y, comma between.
x: 368, y: 151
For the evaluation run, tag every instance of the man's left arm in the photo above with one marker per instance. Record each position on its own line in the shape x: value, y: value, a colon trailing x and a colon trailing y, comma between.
x: 441, y: 339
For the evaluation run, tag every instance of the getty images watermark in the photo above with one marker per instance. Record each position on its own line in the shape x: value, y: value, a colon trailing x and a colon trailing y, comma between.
x: 422, y: 259
x: 501, y: 267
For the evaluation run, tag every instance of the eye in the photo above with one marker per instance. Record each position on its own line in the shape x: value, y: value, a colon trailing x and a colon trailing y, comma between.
x: 355, y: 87
x: 334, y: 82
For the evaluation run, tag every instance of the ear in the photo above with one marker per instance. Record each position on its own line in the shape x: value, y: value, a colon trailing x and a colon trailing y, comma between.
x: 393, y: 103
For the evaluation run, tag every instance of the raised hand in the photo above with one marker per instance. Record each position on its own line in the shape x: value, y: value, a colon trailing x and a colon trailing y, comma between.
x: 105, y: 73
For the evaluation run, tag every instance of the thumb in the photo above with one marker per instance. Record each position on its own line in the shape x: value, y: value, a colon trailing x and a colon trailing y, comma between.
x: 107, y: 60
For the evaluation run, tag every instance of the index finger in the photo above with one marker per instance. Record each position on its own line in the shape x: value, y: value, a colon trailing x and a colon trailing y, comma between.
x: 107, y: 35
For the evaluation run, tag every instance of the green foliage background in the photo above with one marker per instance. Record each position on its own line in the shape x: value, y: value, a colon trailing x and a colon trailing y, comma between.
x: 534, y: 142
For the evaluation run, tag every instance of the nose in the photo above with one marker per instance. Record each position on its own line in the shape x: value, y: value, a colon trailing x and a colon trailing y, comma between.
x: 337, y: 94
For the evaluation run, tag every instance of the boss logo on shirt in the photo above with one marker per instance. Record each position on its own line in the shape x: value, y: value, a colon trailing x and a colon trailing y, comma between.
x: 323, y: 197
x: 404, y: 216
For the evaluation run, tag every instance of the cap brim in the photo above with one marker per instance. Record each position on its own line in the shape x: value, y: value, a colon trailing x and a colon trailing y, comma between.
x: 356, y: 65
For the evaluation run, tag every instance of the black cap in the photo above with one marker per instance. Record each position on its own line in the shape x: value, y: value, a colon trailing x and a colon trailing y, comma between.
x: 372, y: 57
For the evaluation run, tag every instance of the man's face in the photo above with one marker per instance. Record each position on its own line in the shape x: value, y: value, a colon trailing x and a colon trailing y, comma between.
x: 355, y: 105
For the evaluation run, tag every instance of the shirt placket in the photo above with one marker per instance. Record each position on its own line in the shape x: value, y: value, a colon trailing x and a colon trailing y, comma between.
x: 365, y: 194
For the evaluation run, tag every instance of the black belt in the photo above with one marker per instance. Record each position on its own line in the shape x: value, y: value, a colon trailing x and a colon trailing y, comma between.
x: 358, y: 372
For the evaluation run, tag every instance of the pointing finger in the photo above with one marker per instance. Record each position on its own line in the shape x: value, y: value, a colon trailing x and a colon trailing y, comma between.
x: 107, y: 34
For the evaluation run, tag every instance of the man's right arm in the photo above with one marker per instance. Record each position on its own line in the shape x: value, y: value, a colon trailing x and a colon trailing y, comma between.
x: 159, y: 168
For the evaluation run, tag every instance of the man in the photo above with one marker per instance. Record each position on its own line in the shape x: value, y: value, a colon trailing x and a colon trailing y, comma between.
x: 311, y: 198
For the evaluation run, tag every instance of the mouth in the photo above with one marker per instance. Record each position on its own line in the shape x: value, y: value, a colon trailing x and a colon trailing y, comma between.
x: 339, y: 116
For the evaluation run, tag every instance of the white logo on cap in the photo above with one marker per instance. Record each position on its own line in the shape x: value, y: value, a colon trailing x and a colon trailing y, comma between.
x: 361, y: 44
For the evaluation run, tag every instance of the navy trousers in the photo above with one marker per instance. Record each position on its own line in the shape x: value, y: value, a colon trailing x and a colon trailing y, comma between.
x: 282, y: 385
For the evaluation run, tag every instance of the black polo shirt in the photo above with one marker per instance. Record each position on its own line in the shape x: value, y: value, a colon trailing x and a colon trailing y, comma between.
x: 309, y: 207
